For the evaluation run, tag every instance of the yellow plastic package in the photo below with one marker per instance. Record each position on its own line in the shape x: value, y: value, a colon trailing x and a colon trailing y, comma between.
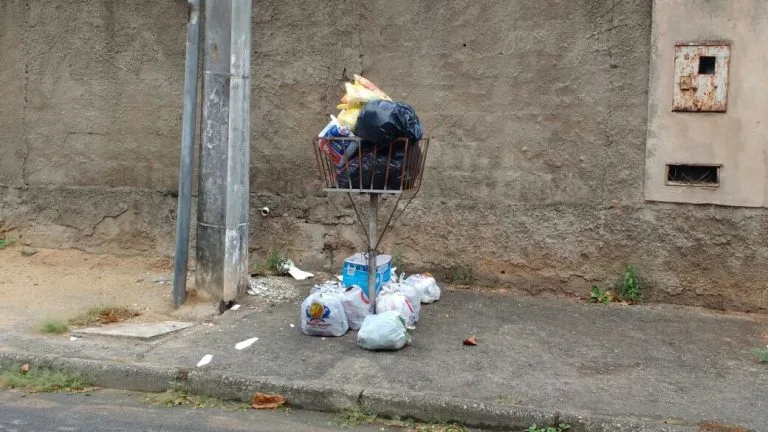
x: 348, y: 116
x: 357, y: 94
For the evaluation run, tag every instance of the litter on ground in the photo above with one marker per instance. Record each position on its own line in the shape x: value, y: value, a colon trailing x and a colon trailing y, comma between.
x: 205, y: 360
x: 246, y: 343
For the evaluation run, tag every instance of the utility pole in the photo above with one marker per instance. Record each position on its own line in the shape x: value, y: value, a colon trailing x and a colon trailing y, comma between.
x: 238, y: 154
x: 222, y: 213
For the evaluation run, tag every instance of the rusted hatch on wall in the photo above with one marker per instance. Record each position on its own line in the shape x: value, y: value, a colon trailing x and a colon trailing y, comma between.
x: 701, y: 77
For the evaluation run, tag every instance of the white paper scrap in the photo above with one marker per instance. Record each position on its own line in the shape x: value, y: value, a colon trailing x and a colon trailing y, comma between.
x: 246, y: 343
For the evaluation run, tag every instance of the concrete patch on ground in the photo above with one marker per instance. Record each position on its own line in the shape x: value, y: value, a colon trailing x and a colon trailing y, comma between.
x: 139, y: 331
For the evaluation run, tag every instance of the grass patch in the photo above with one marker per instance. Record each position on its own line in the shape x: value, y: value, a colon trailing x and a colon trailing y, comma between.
x: 437, y: 428
x: 629, y: 286
x: 353, y: 417
x: 761, y: 354
x: 103, y: 315
x: 259, y: 269
x: 277, y: 263
x: 562, y: 427
x: 627, y: 290
x: 54, y: 327
x: 398, y: 261
x: 598, y: 295
x: 6, y: 242
x: 42, y: 380
x: 463, y: 275
x: 175, y: 397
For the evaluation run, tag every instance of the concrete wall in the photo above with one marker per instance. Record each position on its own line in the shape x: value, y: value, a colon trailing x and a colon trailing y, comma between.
x: 734, y: 139
x: 537, y: 111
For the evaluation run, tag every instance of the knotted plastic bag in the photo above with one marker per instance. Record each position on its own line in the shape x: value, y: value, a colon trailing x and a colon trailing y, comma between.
x: 322, y: 314
x: 427, y: 285
x: 384, y: 331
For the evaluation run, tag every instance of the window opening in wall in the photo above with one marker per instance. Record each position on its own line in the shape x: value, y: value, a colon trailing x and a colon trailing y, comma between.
x: 707, y: 65
x: 693, y: 175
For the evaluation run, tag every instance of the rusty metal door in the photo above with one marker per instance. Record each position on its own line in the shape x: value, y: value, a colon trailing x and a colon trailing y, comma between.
x: 701, y: 77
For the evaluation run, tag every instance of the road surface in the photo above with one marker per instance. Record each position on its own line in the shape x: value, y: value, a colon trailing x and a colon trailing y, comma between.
x: 112, y: 411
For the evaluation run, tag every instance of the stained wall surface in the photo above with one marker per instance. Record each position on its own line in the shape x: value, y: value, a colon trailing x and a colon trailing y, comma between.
x: 537, y: 111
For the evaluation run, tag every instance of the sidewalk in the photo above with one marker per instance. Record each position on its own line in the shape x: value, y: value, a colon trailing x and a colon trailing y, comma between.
x: 666, y: 368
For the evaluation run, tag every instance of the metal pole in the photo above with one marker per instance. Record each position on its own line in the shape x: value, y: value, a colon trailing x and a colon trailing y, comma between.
x: 237, y: 188
x: 187, y: 153
x: 211, y: 201
x: 373, y: 210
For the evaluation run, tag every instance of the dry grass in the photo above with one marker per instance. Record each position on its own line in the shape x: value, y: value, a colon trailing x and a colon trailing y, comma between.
x: 103, y: 315
x: 720, y: 427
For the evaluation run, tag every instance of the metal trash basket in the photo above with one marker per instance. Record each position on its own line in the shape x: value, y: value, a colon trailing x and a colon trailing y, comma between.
x: 392, y: 169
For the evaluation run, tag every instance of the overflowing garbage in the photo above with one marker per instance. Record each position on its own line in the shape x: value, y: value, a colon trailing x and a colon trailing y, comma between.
x: 374, y: 145
x: 334, y: 307
x: 381, y: 152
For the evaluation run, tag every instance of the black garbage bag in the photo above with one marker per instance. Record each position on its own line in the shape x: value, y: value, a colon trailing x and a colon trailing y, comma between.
x: 369, y: 170
x: 382, y: 122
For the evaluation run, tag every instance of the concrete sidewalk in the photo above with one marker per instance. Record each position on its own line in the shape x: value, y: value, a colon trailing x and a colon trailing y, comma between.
x: 616, y: 367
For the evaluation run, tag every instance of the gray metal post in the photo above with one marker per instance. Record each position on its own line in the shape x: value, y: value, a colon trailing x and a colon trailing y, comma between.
x: 187, y: 153
x: 211, y: 203
x: 373, y: 210
x: 237, y: 188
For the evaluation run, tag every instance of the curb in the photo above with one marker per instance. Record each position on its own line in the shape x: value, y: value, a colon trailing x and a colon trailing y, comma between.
x: 320, y: 397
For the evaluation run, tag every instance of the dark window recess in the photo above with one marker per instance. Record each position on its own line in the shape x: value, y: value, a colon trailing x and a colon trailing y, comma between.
x: 697, y: 175
x: 707, y: 65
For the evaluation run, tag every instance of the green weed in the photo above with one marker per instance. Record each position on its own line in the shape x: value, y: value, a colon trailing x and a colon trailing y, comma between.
x: 6, y: 242
x: 54, y: 327
x: 398, y: 261
x: 761, y: 354
x: 277, y: 263
x: 597, y: 295
x: 562, y: 427
x: 177, y: 395
x: 629, y: 287
x: 463, y: 275
x: 353, y: 417
x: 259, y: 269
x: 41, y: 380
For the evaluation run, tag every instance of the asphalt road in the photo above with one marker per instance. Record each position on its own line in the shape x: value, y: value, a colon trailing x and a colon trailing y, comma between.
x: 110, y: 411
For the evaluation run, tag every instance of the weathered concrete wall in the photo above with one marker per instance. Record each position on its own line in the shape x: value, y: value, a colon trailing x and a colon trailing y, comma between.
x: 537, y: 111
x: 734, y: 139
x: 103, y: 92
x: 12, y: 81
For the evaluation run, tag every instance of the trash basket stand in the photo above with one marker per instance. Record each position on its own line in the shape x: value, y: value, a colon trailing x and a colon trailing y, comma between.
x: 412, y: 169
x: 373, y: 210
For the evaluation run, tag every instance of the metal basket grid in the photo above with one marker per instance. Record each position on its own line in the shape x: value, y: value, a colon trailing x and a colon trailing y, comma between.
x: 362, y: 172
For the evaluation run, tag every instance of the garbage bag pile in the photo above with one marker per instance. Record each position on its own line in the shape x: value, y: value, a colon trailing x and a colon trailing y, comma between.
x: 383, y: 153
x: 332, y: 309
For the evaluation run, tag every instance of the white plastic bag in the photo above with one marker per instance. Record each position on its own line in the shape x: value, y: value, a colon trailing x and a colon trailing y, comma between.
x: 322, y: 314
x: 393, y: 300
x: 427, y: 285
x: 329, y: 286
x: 385, y: 331
x: 356, y: 306
x: 413, y: 295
